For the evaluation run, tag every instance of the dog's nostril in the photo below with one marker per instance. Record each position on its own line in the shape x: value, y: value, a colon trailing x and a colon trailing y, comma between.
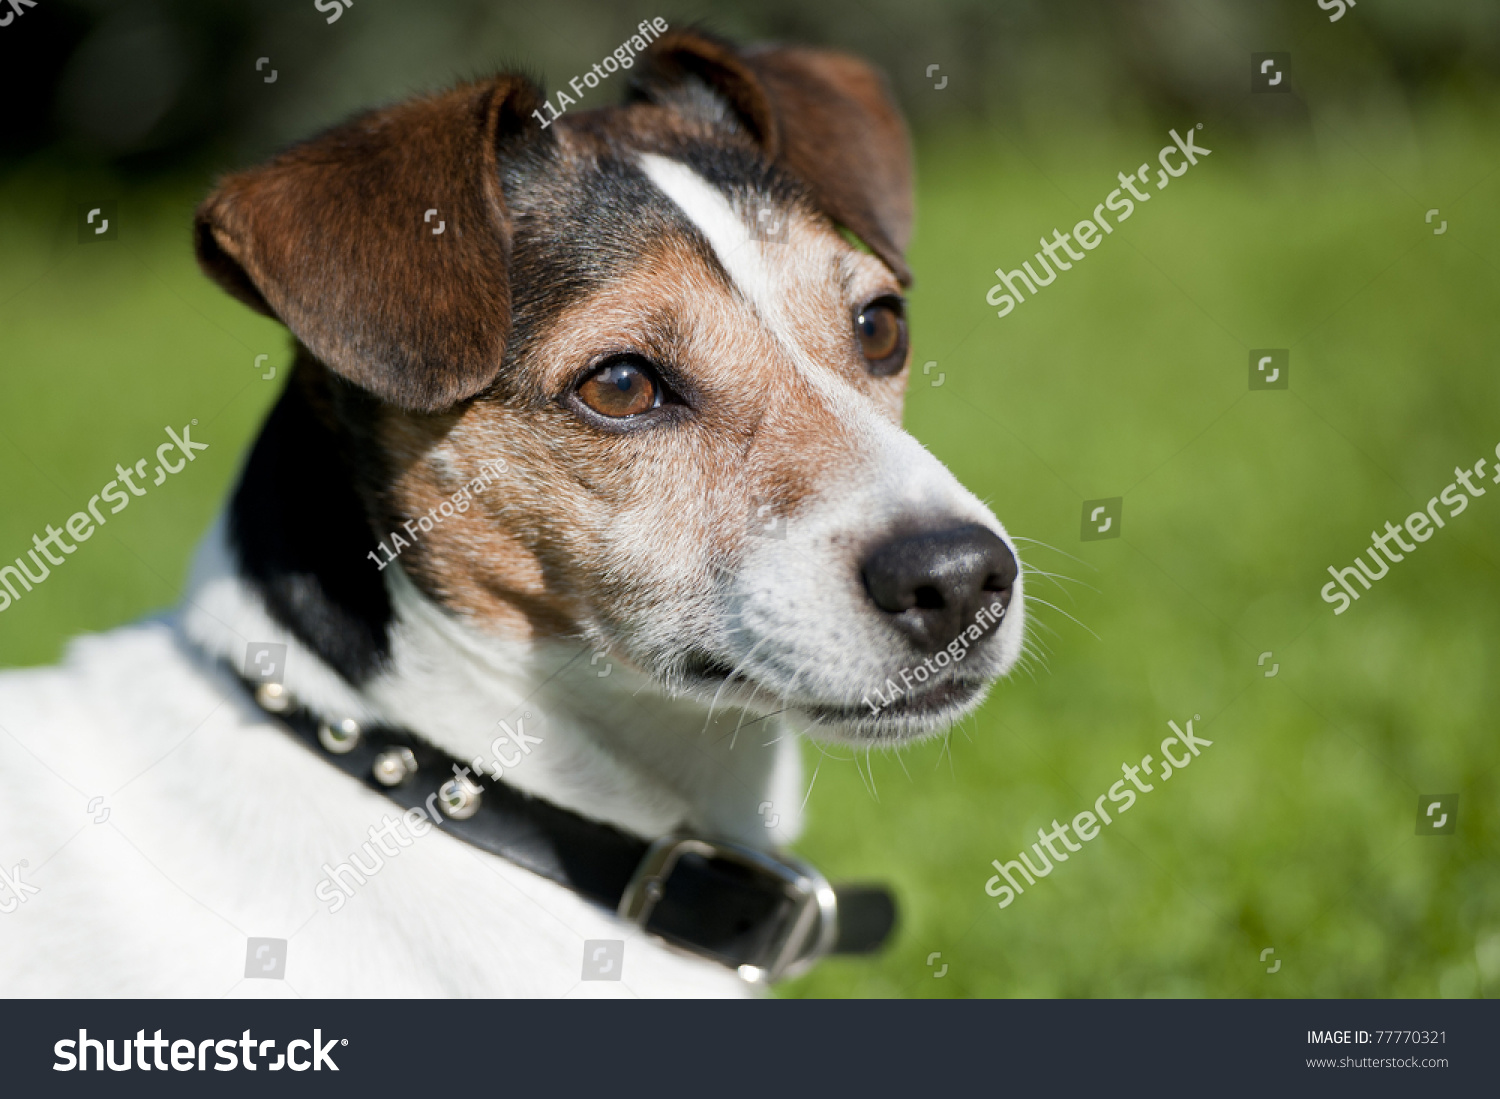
x: 934, y: 583
x: 928, y: 599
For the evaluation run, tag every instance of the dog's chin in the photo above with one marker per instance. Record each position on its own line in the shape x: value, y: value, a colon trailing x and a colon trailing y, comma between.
x: 921, y: 712
x: 911, y: 716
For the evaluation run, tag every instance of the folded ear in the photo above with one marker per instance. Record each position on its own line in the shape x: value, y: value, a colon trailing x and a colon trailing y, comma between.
x: 384, y: 243
x: 826, y: 117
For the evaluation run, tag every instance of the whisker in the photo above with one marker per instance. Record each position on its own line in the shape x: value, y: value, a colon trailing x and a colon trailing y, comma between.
x: 822, y: 755
x: 763, y: 717
x: 1039, y: 624
x: 786, y: 705
x: 868, y: 784
x: 1056, y: 579
x: 1068, y: 616
x: 1031, y: 660
x: 1054, y: 549
x: 727, y: 680
x: 1034, y: 643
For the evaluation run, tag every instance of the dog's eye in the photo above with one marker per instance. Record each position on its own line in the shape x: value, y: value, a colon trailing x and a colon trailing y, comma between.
x: 882, y: 336
x: 620, y: 388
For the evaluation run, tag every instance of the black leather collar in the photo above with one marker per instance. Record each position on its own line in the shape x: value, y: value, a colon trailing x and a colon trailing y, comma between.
x: 769, y: 915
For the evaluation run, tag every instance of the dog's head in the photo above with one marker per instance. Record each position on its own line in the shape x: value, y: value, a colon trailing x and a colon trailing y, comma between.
x: 678, y: 328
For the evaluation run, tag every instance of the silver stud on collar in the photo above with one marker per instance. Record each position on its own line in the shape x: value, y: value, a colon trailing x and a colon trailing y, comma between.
x: 394, y: 766
x: 339, y: 737
x: 460, y: 798
x: 274, y: 698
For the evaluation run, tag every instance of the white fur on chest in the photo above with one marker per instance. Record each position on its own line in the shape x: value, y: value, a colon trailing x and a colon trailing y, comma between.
x: 611, y: 747
x: 218, y: 829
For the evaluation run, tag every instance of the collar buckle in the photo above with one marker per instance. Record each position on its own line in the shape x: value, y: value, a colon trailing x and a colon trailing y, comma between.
x: 805, y: 926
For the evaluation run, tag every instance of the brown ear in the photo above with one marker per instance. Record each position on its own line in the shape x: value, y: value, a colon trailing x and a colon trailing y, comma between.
x: 333, y: 238
x: 826, y: 117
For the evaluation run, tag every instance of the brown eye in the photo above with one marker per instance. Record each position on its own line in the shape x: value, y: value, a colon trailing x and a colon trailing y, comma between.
x: 882, y: 336
x: 619, y: 389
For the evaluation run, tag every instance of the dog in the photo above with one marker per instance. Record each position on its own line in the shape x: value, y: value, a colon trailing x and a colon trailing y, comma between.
x: 586, y: 498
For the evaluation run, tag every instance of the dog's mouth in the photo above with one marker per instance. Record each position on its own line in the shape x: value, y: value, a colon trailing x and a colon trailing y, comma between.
x: 923, y: 708
x: 701, y: 668
x: 937, y: 704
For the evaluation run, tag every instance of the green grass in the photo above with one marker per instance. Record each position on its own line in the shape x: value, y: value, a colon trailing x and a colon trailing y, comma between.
x: 1126, y: 377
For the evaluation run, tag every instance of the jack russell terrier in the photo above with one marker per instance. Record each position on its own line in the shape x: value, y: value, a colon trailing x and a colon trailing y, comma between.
x: 587, y: 496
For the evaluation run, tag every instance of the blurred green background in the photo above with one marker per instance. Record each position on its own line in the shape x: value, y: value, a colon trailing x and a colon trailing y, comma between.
x: 1306, y: 228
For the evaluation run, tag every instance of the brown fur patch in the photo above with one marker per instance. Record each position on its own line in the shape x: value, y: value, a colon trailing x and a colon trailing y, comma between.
x: 332, y: 237
x: 591, y: 528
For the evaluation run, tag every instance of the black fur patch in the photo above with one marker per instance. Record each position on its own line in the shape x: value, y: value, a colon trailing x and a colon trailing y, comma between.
x: 302, y: 536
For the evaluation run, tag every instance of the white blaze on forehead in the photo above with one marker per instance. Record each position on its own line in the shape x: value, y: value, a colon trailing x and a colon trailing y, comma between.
x: 896, y: 471
x: 743, y: 257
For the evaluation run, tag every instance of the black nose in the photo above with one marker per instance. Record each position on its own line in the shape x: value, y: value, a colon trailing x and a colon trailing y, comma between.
x: 934, y: 583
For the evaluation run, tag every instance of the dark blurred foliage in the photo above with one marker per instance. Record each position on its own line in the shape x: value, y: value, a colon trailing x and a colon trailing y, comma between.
x: 147, y: 85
